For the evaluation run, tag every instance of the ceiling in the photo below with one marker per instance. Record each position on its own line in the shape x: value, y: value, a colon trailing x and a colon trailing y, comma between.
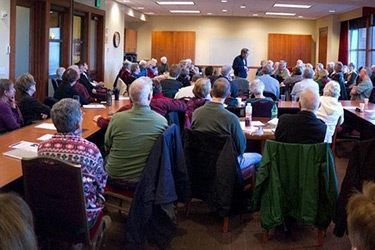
x: 319, y: 8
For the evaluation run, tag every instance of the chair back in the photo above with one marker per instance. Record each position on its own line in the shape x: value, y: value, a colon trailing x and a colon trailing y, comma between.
x: 54, y: 192
x: 122, y: 86
x: 262, y: 108
x: 55, y: 84
x: 270, y: 94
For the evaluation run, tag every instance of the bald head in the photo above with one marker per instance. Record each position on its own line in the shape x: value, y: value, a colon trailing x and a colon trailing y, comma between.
x: 141, y: 91
x: 221, y: 88
x: 309, y: 100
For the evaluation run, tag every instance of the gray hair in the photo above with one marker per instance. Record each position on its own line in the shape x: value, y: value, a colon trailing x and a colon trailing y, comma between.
x: 332, y: 88
x: 66, y: 114
x: 267, y: 70
x: 226, y: 69
x: 140, y: 89
x: 257, y: 87
x: 308, y: 73
x: 59, y: 72
x: 310, y: 100
x: 127, y: 64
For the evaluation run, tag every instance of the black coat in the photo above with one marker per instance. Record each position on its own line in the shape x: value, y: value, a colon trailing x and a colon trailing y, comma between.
x: 360, y: 168
x: 164, y: 181
x: 239, y: 66
x: 31, y: 108
x: 67, y: 91
x: 303, y: 127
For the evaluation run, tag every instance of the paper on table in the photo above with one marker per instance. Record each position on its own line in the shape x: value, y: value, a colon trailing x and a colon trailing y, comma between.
x: 45, y: 137
x: 350, y: 107
x: 257, y: 123
x: 251, y: 129
x: 269, y: 130
x: 46, y: 126
x: 94, y: 106
x: 25, y: 145
x: 20, y: 153
x: 274, y: 121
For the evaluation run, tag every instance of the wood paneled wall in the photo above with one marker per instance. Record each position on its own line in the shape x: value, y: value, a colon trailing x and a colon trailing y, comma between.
x: 289, y: 48
x: 130, y: 42
x: 175, y: 45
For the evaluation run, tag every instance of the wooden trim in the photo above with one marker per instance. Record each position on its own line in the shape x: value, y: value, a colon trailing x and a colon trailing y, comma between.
x: 67, y: 37
x: 12, y: 56
x: 86, y: 8
x: 100, y: 48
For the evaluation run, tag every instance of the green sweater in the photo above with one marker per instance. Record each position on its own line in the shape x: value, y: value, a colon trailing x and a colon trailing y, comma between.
x: 214, y: 118
x: 129, y: 139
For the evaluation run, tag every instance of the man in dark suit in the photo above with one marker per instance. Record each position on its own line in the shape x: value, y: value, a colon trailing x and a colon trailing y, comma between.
x: 171, y: 85
x: 95, y: 89
x: 303, y: 127
x: 240, y: 64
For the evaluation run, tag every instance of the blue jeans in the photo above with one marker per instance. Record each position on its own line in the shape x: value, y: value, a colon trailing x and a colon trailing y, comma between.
x: 247, y: 159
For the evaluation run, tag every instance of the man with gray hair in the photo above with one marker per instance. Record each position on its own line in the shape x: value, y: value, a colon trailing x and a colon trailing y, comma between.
x: 364, y: 88
x: 131, y: 135
x: 226, y: 70
x: 303, y: 127
x: 307, y: 82
x: 270, y: 84
x: 214, y: 118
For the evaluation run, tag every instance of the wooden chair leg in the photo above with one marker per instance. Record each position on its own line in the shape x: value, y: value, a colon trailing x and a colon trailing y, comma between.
x: 265, y: 236
x: 226, y: 224
x: 320, y: 237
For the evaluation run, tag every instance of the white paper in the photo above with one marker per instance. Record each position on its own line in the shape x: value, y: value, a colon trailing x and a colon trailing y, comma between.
x: 46, y: 126
x: 45, y: 137
x: 274, y: 121
x: 20, y: 153
x: 257, y: 123
x: 25, y: 145
x: 269, y: 130
x: 94, y: 106
x: 251, y: 129
x: 121, y: 97
x: 350, y: 107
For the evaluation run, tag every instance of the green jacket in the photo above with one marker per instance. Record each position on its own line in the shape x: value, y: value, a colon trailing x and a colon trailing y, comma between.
x: 298, y: 181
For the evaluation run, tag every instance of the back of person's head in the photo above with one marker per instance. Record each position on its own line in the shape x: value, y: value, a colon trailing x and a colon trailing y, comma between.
x: 339, y: 66
x: 156, y: 87
x: 226, y: 70
x: 140, y: 90
x: 308, y: 73
x: 351, y: 65
x: 270, y: 62
x: 221, y: 88
x: 257, y: 87
x: 323, y: 73
x: 127, y: 64
x: 134, y: 67
x: 76, y: 68
x: 195, y: 77
x: 267, y: 70
x: 297, y: 71
x: 202, y: 88
x: 16, y: 224
x: 163, y: 59
x: 5, y: 85
x: 66, y: 115
x: 24, y: 82
x: 244, y: 51
x: 184, y: 73
x: 330, y: 65
x: 361, y: 218
x: 209, y: 71
x: 319, y: 66
x: 59, y: 72
x: 309, y: 100
x: 70, y: 76
x: 332, y: 89
x: 175, y: 70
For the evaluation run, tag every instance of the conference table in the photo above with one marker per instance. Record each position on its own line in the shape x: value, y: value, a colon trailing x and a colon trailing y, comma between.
x: 11, y: 170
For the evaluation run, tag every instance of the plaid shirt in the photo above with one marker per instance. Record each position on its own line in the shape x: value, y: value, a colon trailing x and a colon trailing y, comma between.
x: 76, y: 150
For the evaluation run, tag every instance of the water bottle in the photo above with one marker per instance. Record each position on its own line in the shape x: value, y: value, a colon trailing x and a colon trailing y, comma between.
x: 109, y: 98
x: 274, y: 110
x: 248, y: 115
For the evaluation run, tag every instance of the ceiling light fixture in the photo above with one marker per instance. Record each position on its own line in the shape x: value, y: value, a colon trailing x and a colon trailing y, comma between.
x: 298, y: 6
x: 331, y: 11
x: 209, y: 13
x: 280, y: 14
x: 224, y: 10
x: 300, y: 16
x: 140, y: 8
x: 176, y: 3
x: 185, y: 11
x: 224, y: 1
x: 149, y: 13
x: 255, y: 15
x: 243, y: 6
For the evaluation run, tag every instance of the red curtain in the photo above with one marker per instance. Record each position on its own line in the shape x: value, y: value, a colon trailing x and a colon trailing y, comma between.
x: 344, y: 43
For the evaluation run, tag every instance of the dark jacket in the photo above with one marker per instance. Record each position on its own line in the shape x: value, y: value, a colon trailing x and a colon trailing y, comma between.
x: 239, y: 66
x: 170, y: 87
x: 164, y: 181
x: 67, y: 91
x: 242, y: 86
x: 214, y: 173
x: 86, y: 80
x: 303, y: 127
x: 339, y: 77
x: 31, y: 108
x: 233, y: 87
x: 360, y: 168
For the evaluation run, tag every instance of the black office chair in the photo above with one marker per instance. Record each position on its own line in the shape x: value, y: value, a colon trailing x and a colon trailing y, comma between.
x: 269, y: 94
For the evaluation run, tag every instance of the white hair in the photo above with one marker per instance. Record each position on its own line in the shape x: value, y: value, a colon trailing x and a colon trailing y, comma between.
x: 257, y: 87
x: 142, y: 62
x: 140, y: 90
x: 332, y: 88
x: 226, y: 69
x: 310, y: 100
x: 163, y: 58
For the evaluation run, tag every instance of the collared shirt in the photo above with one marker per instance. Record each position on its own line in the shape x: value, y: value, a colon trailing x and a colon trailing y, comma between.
x: 305, y: 83
x: 77, y: 150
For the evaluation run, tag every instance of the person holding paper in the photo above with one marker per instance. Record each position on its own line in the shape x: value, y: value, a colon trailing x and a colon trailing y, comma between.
x: 10, y: 116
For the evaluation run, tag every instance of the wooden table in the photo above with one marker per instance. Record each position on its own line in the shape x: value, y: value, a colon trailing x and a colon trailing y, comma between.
x: 10, y: 168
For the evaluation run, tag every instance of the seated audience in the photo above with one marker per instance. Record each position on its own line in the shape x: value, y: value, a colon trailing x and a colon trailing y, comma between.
x: 94, y: 88
x: 59, y: 73
x: 67, y: 144
x: 256, y: 89
x: 187, y: 92
x: 159, y: 103
x: 16, y: 224
x: 364, y: 88
x: 142, y: 68
x: 79, y: 86
x: 10, y: 115
x: 131, y: 135
x: 66, y: 89
x: 214, y: 118
x: 330, y: 111
x: 163, y: 66
x: 226, y: 71
x: 338, y: 76
x: 361, y: 214
x: 307, y: 82
x: 372, y: 77
x: 351, y: 76
x: 152, y: 70
x: 31, y: 109
x: 184, y: 77
x: 323, y: 79
x: 125, y: 73
x: 330, y: 69
x: 271, y: 85
x: 282, y: 73
x: 295, y: 77
x: 300, y: 64
x: 210, y: 74
x: 259, y: 70
x: 318, y: 67
x: 303, y: 127
x: 171, y: 85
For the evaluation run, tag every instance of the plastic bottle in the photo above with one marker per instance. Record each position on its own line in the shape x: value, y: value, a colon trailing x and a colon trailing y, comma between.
x: 248, y: 115
x: 109, y: 98
x: 274, y: 110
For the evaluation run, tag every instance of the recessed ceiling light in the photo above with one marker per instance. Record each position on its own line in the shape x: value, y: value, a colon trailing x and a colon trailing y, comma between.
x: 331, y: 11
x: 176, y: 3
x: 140, y: 8
x: 149, y: 13
x: 255, y: 15
x: 224, y: 1
x: 125, y: 1
x: 280, y: 14
x: 185, y: 11
x: 243, y: 6
x: 224, y: 10
x: 300, y: 16
x: 299, y: 6
x: 209, y: 13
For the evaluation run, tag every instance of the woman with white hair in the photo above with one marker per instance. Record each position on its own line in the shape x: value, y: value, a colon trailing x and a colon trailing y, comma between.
x: 163, y: 66
x: 256, y: 91
x: 331, y: 110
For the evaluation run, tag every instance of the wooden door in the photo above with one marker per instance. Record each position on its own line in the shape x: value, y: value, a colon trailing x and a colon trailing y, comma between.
x: 130, y: 41
x: 323, y: 35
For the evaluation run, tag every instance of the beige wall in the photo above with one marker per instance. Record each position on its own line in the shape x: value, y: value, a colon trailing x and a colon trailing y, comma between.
x: 254, y: 29
x: 4, y: 40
